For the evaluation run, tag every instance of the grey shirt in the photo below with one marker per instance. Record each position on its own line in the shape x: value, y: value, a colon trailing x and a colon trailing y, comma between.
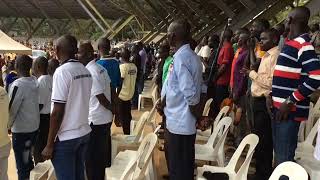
x: 24, y: 105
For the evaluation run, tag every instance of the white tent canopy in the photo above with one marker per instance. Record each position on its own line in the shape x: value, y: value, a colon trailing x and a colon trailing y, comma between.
x: 8, y: 45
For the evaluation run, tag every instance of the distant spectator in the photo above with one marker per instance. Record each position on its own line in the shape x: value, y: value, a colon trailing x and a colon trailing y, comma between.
x: 315, y: 37
x: 128, y: 75
x: 11, y: 76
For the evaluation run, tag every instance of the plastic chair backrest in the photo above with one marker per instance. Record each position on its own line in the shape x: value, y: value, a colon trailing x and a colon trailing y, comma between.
x: 223, y: 126
x: 144, y: 155
x: 313, y: 133
x: 223, y: 112
x: 251, y: 140
x: 207, y: 107
x: 293, y: 170
x: 315, y: 108
x: 151, y: 117
x: 154, y: 93
x: 140, y: 125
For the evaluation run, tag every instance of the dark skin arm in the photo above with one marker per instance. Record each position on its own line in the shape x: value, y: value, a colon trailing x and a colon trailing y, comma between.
x: 56, y: 119
x: 40, y: 107
x: 221, y: 70
x: 284, y: 110
x: 104, y: 101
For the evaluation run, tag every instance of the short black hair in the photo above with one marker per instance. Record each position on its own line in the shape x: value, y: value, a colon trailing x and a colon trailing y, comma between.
x: 264, y: 23
x: 42, y: 61
x: 273, y: 33
x: 24, y: 63
x: 104, y: 43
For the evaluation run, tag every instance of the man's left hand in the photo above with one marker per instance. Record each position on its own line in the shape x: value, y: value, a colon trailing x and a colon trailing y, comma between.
x: 282, y: 114
x: 245, y: 71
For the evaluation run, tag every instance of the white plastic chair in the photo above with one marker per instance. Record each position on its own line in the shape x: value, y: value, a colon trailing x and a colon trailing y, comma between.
x: 306, y: 148
x: 134, y: 165
x: 41, y: 171
x: 151, y: 94
x: 212, y: 151
x: 290, y: 169
x: 312, y: 166
x: 204, y: 135
x: 206, y: 109
x: 134, y: 137
x: 251, y: 140
x: 151, y: 118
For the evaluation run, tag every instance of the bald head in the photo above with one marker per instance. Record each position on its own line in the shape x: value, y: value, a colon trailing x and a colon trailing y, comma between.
x: 53, y: 64
x: 179, y: 33
x: 40, y: 66
x: 23, y: 65
x: 298, y: 21
x: 104, y: 46
x: 86, y: 53
x: 66, y: 47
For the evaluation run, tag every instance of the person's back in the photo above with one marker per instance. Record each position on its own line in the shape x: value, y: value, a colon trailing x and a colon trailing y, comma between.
x: 72, y: 85
x: 4, y: 138
x: 129, y: 75
x: 112, y: 66
x: 24, y: 106
x: 45, y: 90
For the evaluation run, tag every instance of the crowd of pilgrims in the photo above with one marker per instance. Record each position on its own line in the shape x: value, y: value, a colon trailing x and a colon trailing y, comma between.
x: 63, y: 108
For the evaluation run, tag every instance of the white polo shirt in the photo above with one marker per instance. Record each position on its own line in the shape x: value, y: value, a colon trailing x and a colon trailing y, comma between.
x: 98, y: 114
x: 72, y: 86
x: 45, y: 90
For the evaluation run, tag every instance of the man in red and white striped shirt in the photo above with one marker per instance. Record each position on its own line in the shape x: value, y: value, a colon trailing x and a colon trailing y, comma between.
x: 296, y: 76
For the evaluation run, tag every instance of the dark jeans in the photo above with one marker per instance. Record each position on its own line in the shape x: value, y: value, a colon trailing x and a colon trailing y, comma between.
x: 181, y: 156
x: 42, y: 137
x: 22, y: 144
x: 262, y: 128
x: 125, y: 115
x: 69, y: 158
x: 99, y: 151
x: 221, y: 92
x: 285, y: 137
x: 135, y: 97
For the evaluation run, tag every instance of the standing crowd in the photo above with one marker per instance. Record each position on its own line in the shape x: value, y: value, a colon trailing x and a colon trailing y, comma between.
x: 63, y: 109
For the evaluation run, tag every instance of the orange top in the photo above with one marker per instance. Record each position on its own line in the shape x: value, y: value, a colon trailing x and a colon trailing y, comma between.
x: 233, y: 64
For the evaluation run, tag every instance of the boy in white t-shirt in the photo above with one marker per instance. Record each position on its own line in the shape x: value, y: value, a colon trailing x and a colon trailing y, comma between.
x: 69, y: 131
x: 40, y: 70
x: 128, y: 75
x: 100, y: 115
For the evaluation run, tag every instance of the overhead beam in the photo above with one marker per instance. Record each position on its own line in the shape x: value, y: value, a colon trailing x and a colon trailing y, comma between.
x: 114, y: 26
x: 36, y: 5
x: 84, y: 7
x: 35, y: 29
x: 60, y: 5
x: 119, y: 28
x: 249, y: 4
x: 99, y: 15
x: 224, y: 7
x: 7, y: 28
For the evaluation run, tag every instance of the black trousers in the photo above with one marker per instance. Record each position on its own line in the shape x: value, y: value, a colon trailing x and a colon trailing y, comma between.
x: 181, y: 156
x: 221, y: 92
x: 125, y: 115
x: 262, y: 128
x: 99, y: 151
x: 42, y: 137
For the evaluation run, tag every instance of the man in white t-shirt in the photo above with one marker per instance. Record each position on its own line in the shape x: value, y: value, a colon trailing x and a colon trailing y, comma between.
x: 69, y: 131
x: 40, y: 70
x: 128, y: 75
x: 100, y: 115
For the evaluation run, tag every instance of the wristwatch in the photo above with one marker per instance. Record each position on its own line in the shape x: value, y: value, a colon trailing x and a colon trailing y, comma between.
x: 288, y: 101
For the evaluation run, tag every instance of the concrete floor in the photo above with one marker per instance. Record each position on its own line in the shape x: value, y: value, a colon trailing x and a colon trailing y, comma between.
x: 158, y: 155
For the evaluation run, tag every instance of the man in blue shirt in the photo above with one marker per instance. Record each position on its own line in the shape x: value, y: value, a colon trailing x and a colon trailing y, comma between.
x: 113, y: 68
x: 181, y: 95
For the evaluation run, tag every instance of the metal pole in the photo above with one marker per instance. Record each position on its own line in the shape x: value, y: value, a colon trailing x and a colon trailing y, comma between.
x: 92, y: 17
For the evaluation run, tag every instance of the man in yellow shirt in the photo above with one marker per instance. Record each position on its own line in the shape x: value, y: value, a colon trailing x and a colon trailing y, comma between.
x: 5, y: 144
x: 128, y: 72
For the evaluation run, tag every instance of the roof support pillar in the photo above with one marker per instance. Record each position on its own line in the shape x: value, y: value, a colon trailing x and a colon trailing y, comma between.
x: 91, y: 15
x: 224, y: 7
x: 99, y: 15
x: 35, y: 29
x: 121, y: 26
